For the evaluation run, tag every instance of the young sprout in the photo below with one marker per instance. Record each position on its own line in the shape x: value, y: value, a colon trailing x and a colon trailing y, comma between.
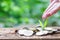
x: 43, y: 24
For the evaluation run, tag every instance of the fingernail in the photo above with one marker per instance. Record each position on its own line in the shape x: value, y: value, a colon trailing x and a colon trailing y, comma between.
x: 44, y: 16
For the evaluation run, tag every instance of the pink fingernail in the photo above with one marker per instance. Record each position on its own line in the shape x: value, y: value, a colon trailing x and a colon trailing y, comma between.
x: 44, y: 16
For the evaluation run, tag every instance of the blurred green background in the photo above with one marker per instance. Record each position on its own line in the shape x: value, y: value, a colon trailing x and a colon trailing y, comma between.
x: 15, y: 12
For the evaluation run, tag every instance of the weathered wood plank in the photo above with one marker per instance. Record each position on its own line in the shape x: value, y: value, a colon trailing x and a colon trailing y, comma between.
x: 12, y: 35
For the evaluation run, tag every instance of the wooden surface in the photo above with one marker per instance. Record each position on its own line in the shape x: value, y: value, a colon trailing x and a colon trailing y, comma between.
x: 16, y: 36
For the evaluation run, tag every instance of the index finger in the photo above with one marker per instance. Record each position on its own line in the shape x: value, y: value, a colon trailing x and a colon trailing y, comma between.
x: 51, y: 0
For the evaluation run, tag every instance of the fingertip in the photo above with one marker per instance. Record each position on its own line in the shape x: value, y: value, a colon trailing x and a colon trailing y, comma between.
x: 44, y: 17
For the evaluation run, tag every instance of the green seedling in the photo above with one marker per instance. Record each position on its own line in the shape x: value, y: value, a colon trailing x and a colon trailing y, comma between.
x: 43, y: 24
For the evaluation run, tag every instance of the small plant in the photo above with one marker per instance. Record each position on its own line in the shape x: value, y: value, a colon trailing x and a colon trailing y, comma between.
x: 43, y: 24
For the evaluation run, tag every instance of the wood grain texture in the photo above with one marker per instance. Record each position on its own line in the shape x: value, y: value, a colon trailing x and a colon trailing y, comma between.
x: 15, y: 36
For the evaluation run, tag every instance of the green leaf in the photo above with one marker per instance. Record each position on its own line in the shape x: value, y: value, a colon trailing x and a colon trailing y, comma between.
x: 41, y: 24
x: 45, y: 23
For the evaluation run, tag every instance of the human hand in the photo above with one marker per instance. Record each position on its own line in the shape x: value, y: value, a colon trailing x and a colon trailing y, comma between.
x: 52, y: 8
